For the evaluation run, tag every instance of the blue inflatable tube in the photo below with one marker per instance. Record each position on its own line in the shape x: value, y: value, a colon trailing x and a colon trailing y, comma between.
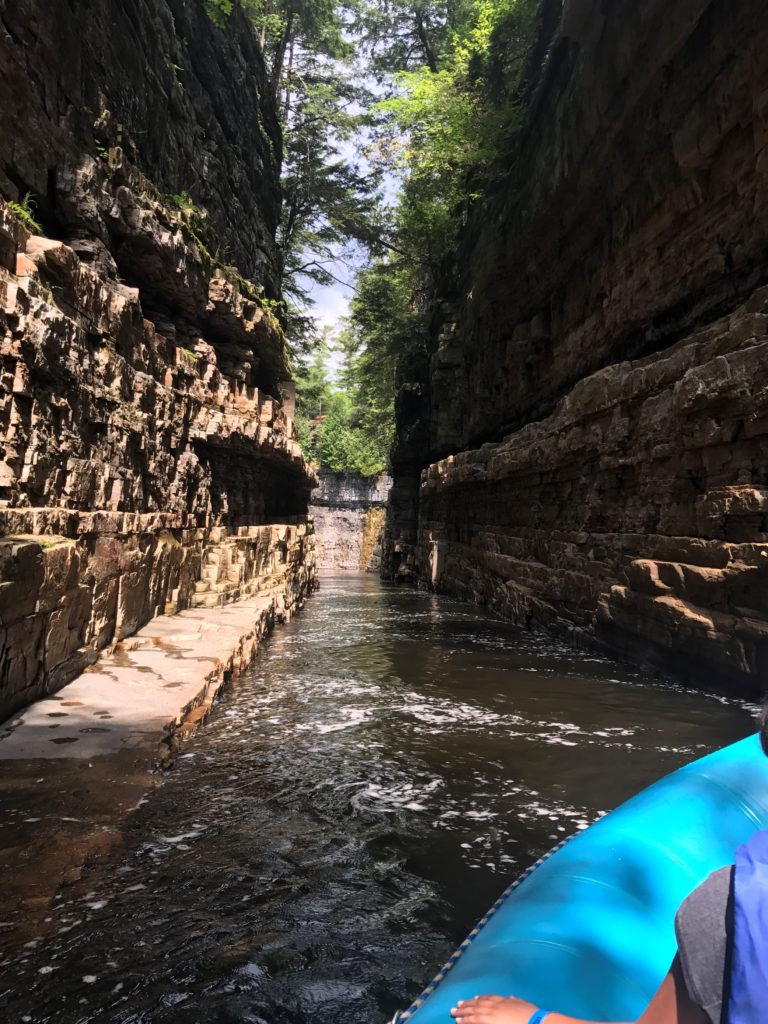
x: 589, y: 930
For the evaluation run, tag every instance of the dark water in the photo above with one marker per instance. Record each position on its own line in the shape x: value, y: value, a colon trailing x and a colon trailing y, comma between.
x: 358, y: 800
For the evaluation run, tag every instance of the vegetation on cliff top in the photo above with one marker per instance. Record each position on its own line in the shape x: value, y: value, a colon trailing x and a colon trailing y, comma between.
x: 420, y: 98
x: 345, y: 425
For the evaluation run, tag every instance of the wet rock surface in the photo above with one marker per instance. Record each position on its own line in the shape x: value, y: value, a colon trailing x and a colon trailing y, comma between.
x: 587, y: 448
x: 153, y: 495
x: 630, y: 514
x: 91, y: 748
x: 160, y: 683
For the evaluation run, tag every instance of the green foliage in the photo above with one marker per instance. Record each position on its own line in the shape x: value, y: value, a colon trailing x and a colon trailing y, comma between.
x: 387, y: 324
x: 25, y: 211
x: 291, y: 29
x: 399, y: 35
x: 455, y: 115
x: 46, y: 543
x: 329, y: 202
x: 327, y: 199
x: 336, y: 428
x: 370, y: 455
x: 457, y: 66
x: 219, y: 11
x: 444, y: 107
x: 344, y: 445
x: 313, y: 390
x: 183, y: 201
x: 193, y: 217
x: 335, y: 440
x: 274, y: 311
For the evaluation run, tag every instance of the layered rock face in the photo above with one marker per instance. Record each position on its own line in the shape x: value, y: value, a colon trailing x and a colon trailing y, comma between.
x: 593, y: 431
x: 348, y: 514
x: 108, y: 105
x: 148, y: 458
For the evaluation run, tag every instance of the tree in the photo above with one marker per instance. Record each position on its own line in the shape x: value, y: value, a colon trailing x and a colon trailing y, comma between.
x: 457, y: 65
x: 456, y: 114
x: 335, y: 442
x: 398, y: 36
x: 311, y: 375
x: 313, y: 392
x: 289, y: 29
x: 368, y: 377
x: 328, y: 200
x: 445, y: 104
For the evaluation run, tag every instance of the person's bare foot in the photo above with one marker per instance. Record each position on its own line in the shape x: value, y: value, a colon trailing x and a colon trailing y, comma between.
x: 492, y: 1010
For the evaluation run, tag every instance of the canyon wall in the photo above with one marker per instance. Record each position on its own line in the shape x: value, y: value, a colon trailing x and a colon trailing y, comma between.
x: 348, y: 514
x: 588, y: 447
x: 148, y: 456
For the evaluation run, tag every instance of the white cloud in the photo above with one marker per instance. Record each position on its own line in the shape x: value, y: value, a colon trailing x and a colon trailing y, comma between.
x: 330, y: 304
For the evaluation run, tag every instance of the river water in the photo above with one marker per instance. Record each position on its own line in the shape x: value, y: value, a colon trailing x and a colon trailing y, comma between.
x: 358, y: 799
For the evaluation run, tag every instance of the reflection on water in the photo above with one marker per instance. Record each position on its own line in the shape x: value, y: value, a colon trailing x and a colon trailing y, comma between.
x: 359, y: 799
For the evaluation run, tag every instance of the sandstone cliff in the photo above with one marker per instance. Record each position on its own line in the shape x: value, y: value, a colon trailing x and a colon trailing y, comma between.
x: 589, y: 446
x: 348, y: 514
x: 148, y: 459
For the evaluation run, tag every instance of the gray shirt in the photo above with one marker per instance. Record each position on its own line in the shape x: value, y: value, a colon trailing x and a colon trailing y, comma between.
x: 704, y: 927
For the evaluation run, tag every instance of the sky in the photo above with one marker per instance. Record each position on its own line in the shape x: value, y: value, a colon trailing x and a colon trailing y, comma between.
x: 331, y: 305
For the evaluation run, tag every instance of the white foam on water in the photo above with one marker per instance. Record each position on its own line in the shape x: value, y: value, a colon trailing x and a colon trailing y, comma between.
x: 349, y: 718
x: 183, y: 836
x: 433, y: 711
x: 390, y: 799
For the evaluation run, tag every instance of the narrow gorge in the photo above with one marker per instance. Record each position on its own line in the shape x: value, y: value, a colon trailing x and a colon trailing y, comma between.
x: 383, y: 488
